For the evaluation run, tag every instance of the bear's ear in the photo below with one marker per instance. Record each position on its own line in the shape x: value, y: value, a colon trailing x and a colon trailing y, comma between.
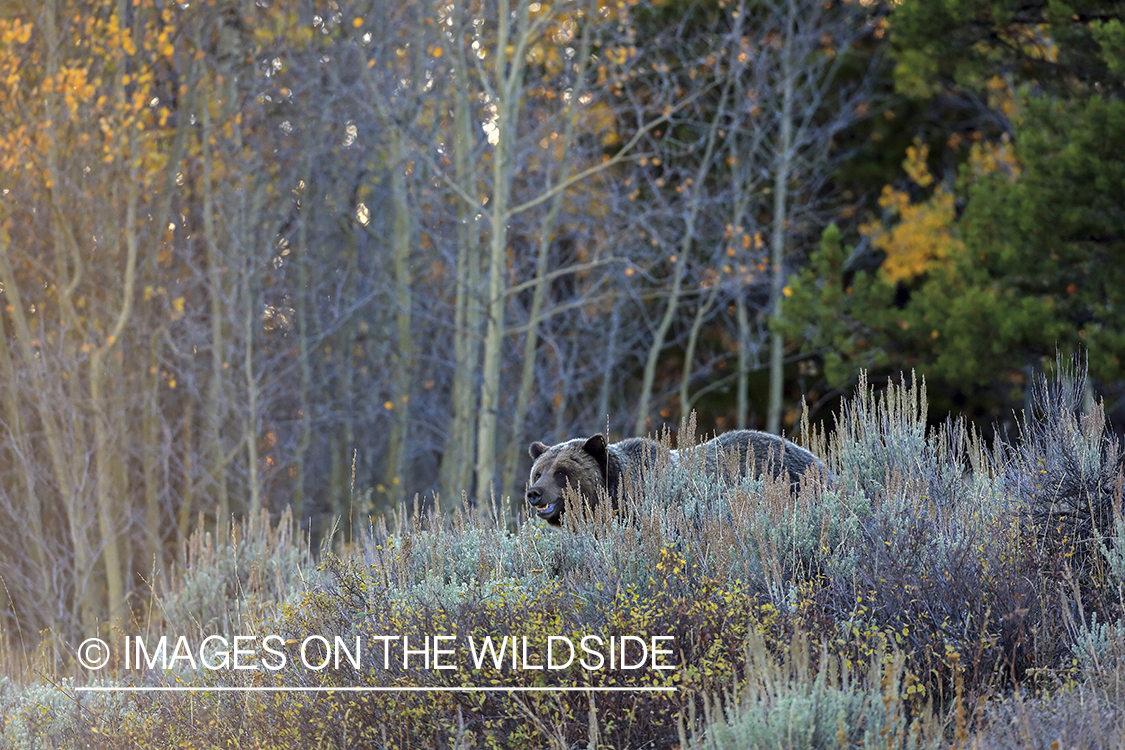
x: 596, y: 447
x: 536, y: 449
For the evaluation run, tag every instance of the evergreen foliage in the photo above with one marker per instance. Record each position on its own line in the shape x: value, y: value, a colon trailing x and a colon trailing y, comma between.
x: 1012, y: 251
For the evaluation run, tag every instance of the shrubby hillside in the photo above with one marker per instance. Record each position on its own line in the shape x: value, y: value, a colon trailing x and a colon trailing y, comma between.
x: 932, y: 591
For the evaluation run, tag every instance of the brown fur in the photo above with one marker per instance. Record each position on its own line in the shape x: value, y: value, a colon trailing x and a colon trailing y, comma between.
x: 589, y: 466
x: 585, y: 465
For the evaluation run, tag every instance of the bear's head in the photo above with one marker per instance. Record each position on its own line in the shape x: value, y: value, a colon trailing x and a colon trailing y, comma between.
x: 580, y: 464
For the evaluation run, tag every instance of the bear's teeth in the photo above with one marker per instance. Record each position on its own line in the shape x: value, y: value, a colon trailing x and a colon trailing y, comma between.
x: 548, y: 510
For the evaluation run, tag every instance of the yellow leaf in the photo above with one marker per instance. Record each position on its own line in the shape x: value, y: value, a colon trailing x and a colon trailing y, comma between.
x: 357, y: 22
x: 924, y: 235
x: 915, y: 163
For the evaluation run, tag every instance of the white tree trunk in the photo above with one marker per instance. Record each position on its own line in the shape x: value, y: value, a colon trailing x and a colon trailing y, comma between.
x: 780, y: 218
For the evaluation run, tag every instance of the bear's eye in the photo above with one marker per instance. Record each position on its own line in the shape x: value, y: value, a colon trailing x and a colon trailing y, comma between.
x: 560, y: 478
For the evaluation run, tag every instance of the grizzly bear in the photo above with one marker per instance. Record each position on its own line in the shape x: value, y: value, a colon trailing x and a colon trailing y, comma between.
x: 590, y: 465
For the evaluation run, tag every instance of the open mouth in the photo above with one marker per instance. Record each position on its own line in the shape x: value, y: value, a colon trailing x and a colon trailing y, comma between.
x: 547, y: 510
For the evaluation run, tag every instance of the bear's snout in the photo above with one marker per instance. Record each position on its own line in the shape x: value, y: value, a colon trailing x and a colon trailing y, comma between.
x: 535, y: 496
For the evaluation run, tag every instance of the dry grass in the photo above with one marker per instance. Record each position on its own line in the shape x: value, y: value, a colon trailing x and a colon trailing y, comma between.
x: 927, y: 591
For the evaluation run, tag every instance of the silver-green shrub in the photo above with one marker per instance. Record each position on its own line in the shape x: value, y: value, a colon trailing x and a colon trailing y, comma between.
x: 785, y: 704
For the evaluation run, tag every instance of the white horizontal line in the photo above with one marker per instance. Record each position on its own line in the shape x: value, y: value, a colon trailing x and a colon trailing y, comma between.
x: 361, y: 689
